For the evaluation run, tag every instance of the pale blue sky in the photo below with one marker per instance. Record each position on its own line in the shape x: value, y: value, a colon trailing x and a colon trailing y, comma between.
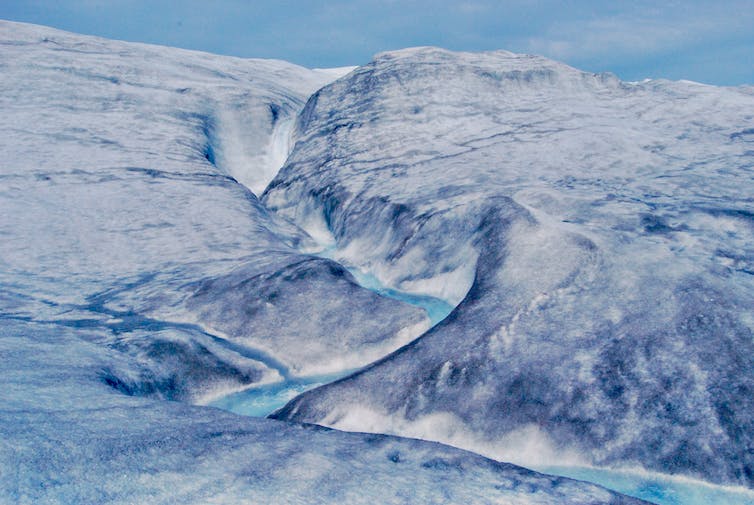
x: 705, y: 41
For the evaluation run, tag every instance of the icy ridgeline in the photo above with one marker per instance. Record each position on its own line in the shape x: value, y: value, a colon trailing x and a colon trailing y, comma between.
x: 599, y: 236
x: 120, y: 222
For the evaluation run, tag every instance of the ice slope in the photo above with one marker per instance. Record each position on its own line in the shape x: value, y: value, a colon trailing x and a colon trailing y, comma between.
x: 119, y: 215
x: 122, y: 209
x: 597, y: 237
x: 68, y: 438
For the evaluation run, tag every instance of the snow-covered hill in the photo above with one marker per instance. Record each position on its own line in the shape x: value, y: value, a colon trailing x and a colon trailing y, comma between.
x: 597, y: 237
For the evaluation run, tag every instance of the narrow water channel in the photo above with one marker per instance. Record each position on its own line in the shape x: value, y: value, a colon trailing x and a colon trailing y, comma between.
x: 436, y: 309
x: 261, y: 401
x: 657, y: 488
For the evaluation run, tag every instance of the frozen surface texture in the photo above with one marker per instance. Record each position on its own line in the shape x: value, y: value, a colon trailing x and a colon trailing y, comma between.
x: 597, y: 236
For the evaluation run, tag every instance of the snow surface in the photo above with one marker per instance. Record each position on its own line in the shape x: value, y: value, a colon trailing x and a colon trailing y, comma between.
x: 126, y: 244
x: 595, y: 235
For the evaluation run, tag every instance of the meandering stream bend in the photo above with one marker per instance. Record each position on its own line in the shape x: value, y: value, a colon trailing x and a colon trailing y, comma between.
x: 263, y: 400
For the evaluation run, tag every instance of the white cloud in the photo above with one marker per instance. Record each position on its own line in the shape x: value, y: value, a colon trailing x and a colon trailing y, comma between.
x: 637, y: 34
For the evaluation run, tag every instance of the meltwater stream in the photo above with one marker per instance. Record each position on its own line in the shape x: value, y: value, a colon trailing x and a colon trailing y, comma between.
x: 656, y: 488
x: 263, y: 400
x: 660, y: 489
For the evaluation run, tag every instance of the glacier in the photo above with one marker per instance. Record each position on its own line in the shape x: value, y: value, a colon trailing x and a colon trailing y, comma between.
x: 594, y: 236
x: 142, y: 280
x: 508, y: 260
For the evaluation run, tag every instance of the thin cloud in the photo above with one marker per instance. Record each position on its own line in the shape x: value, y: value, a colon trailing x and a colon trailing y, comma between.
x: 698, y: 40
x: 647, y: 35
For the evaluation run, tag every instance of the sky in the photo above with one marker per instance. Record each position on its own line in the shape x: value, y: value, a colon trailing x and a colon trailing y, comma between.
x: 705, y: 41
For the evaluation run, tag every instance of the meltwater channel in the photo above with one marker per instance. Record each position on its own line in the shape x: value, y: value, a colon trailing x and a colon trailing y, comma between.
x: 260, y: 401
x: 661, y: 489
